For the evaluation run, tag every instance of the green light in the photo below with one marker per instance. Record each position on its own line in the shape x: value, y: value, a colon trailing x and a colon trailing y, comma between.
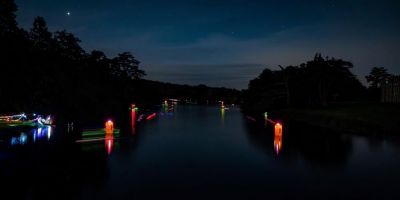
x: 98, y: 132
x: 92, y: 133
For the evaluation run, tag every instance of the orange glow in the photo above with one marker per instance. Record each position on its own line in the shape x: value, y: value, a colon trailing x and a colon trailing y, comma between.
x: 109, y: 127
x: 278, y: 138
x: 278, y: 129
x: 277, y: 144
x: 109, y: 141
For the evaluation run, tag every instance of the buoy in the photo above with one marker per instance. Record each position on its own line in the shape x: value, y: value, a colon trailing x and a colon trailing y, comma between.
x: 278, y: 129
x: 109, y: 127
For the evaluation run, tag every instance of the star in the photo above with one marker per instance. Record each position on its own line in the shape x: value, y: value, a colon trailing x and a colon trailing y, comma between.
x: 68, y: 13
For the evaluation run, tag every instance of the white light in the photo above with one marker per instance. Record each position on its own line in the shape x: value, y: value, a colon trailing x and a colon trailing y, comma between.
x: 48, y: 132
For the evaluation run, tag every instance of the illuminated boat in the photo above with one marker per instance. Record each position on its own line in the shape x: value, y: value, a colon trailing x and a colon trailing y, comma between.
x: 23, y: 120
x: 16, y: 120
x: 44, y: 121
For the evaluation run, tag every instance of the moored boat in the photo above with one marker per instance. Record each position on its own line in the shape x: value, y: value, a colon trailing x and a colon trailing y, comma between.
x: 23, y: 120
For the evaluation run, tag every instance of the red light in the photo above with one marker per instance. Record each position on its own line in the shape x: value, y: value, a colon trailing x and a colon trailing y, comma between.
x: 151, y: 116
x: 133, y: 121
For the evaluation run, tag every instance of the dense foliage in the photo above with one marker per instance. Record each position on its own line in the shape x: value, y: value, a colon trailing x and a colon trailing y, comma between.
x: 312, y: 84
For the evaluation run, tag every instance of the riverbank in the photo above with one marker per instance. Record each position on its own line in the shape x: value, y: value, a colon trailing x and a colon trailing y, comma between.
x: 364, y: 118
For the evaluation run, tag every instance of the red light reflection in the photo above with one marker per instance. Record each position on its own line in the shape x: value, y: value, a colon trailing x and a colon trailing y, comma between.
x: 133, y: 121
x: 109, y: 141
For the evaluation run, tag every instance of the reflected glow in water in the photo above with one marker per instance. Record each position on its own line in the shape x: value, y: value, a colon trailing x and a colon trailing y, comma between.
x: 48, y: 132
x: 278, y: 138
x: 168, y: 109
x: 33, y: 136
x: 21, y: 140
x: 266, y: 118
x: 39, y: 132
x: 133, y: 121
x: 109, y: 141
x: 192, y: 152
x: 165, y: 106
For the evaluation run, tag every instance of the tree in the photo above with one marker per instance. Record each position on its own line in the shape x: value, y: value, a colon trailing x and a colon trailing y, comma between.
x: 377, y: 77
x: 266, y: 92
x: 98, y: 56
x: 68, y: 45
x: 40, y: 34
x: 326, y: 76
x: 7, y: 16
x: 314, y: 83
x: 394, y: 79
x: 126, y: 66
x: 98, y: 65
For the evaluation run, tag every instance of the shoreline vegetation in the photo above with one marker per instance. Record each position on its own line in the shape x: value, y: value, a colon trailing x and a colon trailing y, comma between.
x: 358, y: 118
x: 324, y: 92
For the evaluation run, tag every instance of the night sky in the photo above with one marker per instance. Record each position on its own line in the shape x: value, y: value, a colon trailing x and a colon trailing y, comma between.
x: 228, y: 42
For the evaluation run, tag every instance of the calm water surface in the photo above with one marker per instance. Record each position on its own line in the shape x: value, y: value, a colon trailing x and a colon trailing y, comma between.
x: 199, y: 152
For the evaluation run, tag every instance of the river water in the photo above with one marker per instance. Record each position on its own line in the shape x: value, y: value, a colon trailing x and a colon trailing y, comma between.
x: 200, y: 152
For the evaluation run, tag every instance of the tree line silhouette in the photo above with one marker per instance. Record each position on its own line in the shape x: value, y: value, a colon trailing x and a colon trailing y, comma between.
x: 317, y: 83
x: 50, y: 72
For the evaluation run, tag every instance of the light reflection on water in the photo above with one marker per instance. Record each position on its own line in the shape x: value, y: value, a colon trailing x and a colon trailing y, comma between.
x: 32, y: 136
x: 192, y: 155
x: 278, y: 138
x: 133, y: 121
x: 109, y: 141
x: 19, y: 140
